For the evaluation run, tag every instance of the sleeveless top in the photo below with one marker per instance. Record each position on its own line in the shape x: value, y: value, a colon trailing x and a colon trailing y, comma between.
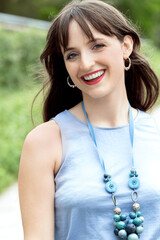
x: 83, y: 208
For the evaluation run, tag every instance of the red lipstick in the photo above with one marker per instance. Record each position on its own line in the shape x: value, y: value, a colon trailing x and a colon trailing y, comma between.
x: 85, y: 75
x: 93, y: 81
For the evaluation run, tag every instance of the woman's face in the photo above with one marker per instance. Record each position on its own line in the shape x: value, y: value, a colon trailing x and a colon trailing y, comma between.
x: 96, y: 67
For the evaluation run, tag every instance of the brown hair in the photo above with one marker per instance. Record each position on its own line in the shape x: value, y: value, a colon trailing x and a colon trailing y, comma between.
x: 141, y: 82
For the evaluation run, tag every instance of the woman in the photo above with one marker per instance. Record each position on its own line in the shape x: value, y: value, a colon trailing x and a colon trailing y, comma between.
x: 100, y: 148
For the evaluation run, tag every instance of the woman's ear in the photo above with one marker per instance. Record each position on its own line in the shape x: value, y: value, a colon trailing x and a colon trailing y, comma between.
x: 127, y: 46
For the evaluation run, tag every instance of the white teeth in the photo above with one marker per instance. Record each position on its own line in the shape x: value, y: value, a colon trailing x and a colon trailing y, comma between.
x: 94, y: 75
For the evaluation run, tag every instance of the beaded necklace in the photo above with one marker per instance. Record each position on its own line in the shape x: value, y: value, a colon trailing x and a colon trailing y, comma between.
x: 126, y: 227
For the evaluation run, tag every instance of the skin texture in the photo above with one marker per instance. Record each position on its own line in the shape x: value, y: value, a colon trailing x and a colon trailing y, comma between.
x: 106, y: 102
x: 107, y: 106
x: 41, y: 152
x: 88, y: 57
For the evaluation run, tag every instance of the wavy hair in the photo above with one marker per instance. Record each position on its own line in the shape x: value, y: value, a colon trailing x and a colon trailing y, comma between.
x: 141, y: 82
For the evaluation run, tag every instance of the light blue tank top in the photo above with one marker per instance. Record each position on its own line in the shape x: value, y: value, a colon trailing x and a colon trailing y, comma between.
x: 83, y: 208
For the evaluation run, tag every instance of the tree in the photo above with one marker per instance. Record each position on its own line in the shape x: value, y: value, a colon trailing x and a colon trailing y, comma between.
x: 144, y: 13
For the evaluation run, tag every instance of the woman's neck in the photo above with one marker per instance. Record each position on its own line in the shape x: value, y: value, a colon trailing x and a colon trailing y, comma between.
x: 107, y: 112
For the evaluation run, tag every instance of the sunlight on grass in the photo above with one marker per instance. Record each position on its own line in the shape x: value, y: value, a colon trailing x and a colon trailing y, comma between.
x: 15, y: 119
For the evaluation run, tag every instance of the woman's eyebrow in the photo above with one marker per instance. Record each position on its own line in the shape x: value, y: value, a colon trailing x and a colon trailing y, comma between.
x: 68, y: 49
x: 90, y: 41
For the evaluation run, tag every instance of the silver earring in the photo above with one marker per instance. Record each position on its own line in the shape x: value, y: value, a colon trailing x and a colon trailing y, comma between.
x: 71, y: 85
x: 129, y: 64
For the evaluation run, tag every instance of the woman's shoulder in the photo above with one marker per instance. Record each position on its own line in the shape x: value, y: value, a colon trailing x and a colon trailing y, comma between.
x: 43, y: 143
x: 45, y: 133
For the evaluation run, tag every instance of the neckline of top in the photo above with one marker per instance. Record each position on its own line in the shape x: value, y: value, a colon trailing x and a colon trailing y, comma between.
x: 103, y: 128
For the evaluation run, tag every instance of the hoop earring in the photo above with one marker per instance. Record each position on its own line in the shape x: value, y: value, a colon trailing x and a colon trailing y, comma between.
x: 70, y: 85
x: 129, y: 64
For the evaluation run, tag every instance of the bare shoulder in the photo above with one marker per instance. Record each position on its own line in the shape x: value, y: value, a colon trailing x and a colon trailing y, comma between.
x: 41, y: 154
x: 44, y: 144
x: 44, y: 132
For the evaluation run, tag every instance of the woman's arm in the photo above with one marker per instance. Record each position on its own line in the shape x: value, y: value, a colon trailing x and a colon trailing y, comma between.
x: 40, y: 154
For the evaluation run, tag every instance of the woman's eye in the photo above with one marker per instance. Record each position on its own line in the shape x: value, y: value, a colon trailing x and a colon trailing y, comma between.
x: 98, y: 46
x: 71, y: 56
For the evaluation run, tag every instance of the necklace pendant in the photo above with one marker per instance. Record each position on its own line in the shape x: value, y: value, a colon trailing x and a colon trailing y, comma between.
x: 133, y: 181
x: 129, y: 229
x: 132, y: 227
x: 110, y: 186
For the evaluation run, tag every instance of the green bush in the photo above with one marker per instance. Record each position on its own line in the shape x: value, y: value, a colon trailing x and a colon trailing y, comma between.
x: 19, y: 56
x: 15, y: 123
x: 19, y: 62
x: 152, y: 54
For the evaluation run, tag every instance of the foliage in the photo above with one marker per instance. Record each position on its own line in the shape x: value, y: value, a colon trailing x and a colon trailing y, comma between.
x: 19, y: 58
x: 151, y: 53
x: 145, y: 13
x: 15, y: 121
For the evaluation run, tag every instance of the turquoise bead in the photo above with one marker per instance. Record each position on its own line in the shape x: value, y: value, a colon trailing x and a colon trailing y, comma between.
x: 122, y: 234
x: 123, y: 217
x: 132, y: 170
x: 120, y: 225
x: 116, y: 231
x: 139, y: 229
x: 134, y: 183
x: 142, y: 218
x: 138, y: 214
x: 130, y: 221
x: 133, y: 236
x: 130, y: 228
x: 116, y: 217
x: 106, y: 180
x: 111, y: 187
x: 137, y: 221
x: 107, y: 175
x: 132, y: 215
x: 131, y: 174
x: 114, y: 224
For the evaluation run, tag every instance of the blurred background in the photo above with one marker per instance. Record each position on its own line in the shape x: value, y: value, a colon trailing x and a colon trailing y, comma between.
x: 23, y: 29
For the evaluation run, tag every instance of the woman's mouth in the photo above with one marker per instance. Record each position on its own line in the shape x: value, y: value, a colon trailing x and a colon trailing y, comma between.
x: 94, y: 77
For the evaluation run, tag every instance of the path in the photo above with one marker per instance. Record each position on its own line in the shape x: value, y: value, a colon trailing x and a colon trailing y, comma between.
x: 10, y: 218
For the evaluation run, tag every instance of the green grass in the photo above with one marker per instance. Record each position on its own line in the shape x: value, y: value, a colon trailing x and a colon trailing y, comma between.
x: 15, y: 121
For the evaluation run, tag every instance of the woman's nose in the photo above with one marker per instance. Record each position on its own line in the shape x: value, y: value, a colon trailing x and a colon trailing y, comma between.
x: 86, y: 61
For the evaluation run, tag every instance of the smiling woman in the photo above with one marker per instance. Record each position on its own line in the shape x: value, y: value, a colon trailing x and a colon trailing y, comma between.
x: 95, y: 130
x: 141, y: 82
x: 85, y: 60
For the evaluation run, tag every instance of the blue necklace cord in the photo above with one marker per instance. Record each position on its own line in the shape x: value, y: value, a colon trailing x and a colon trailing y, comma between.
x: 133, y: 228
x: 131, y: 132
